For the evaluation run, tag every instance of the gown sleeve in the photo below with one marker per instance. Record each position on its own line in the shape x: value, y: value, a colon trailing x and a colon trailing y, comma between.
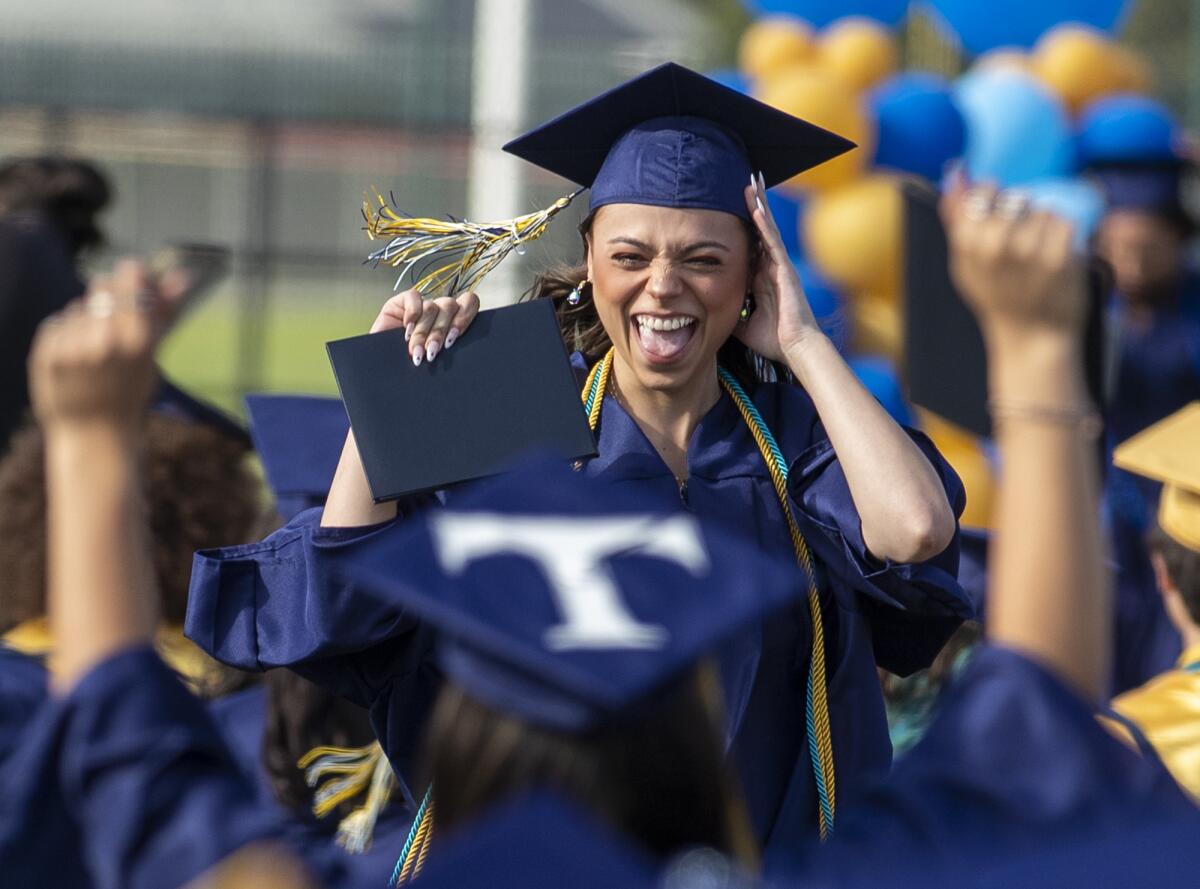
x: 911, y: 609
x: 126, y: 778
x: 284, y: 602
x: 1012, y: 760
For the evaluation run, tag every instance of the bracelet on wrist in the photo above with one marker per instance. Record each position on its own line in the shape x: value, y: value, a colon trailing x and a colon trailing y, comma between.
x: 1082, y: 416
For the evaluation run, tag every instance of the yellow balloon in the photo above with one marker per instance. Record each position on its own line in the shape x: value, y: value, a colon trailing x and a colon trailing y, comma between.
x: 1079, y: 64
x: 964, y: 452
x: 774, y: 42
x: 854, y: 235
x: 822, y: 98
x: 878, y: 325
x: 860, y: 51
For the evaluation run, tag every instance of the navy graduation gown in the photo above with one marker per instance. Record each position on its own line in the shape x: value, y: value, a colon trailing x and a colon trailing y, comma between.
x: 123, y: 784
x: 1014, y: 763
x: 240, y: 718
x: 278, y: 603
x: 24, y: 685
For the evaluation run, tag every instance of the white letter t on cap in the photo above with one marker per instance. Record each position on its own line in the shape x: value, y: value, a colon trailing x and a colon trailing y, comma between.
x: 572, y: 553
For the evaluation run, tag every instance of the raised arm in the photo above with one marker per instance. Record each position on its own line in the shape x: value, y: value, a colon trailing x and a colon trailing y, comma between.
x: 1049, y: 595
x: 898, y: 495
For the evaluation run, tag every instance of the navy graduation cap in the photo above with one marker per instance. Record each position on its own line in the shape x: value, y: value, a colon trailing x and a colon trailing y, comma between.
x: 299, y: 439
x: 567, y: 602
x: 674, y: 138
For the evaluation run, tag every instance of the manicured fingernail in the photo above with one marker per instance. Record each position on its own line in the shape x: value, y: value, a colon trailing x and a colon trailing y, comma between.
x: 451, y: 337
x: 432, y: 351
x: 753, y: 184
x: 758, y: 203
x: 762, y: 182
x: 418, y: 354
x: 408, y: 330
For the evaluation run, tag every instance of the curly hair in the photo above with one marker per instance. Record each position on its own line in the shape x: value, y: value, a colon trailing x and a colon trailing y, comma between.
x: 200, y: 493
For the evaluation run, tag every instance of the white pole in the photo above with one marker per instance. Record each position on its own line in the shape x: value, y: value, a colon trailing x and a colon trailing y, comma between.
x: 499, y: 96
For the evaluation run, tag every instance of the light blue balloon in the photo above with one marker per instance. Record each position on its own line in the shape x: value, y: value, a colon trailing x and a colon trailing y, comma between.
x: 1017, y: 131
x: 1076, y: 200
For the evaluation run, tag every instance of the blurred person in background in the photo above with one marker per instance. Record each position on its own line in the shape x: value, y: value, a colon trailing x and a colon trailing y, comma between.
x: 49, y: 209
x: 1166, y: 710
x: 1145, y: 237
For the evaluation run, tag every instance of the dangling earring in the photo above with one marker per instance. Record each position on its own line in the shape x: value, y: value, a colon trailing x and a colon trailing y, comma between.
x: 576, y: 296
x: 747, y: 308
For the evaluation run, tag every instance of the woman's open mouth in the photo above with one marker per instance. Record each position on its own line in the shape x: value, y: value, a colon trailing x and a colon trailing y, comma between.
x: 663, y: 338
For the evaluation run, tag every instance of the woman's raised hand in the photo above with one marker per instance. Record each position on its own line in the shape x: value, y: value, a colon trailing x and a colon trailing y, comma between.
x: 782, y: 317
x: 1016, y: 268
x: 93, y: 363
x: 429, y: 324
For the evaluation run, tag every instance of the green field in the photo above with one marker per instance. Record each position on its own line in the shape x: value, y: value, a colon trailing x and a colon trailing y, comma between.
x: 202, y: 353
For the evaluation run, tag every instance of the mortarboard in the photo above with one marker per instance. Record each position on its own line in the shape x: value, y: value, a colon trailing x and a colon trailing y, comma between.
x: 299, y: 439
x: 567, y: 602
x: 1169, y: 452
x: 172, y: 401
x: 674, y: 138
x: 538, y: 842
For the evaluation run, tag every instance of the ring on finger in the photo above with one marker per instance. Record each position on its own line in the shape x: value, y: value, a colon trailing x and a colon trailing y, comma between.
x: 100, y: 304
x: 978, y: 204
x: 1012, y: 205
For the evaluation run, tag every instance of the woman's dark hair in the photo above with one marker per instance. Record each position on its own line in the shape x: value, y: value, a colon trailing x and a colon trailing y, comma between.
x: 199, y: 494
x: 299, y: 717
x: 69, y: 192
x: 1183, y: 567
x: 658, y: 775
x: 581, y: 327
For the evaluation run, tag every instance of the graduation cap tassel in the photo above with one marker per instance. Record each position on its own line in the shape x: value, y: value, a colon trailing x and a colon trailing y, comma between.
x: 447, y: 257
x: 361, y: 767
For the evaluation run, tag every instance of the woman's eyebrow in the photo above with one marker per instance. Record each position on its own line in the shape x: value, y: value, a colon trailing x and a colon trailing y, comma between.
x: 686, y: 248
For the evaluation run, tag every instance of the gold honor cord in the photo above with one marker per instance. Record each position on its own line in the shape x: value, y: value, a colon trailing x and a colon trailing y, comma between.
x: 820, y: 741
x: 448, y: 257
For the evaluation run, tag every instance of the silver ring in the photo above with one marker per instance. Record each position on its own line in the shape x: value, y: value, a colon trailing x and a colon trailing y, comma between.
x: 978, y: 204
x: 100, y: 304
x: 1012, y: 205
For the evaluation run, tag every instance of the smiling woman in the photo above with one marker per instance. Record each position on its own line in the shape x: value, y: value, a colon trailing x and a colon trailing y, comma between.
x: 709, y: 385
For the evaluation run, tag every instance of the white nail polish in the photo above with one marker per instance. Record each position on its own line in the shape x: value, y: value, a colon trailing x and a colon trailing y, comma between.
x: 451, y: 337
x: 753, y: 184
x: 408, y: 331
x: 762, y: 182
x: 418, y: 354
x: 431, y: 352
x: 758, y: 203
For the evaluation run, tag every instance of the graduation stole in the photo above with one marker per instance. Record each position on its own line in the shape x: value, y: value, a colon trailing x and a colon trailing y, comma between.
x: 820, y: 746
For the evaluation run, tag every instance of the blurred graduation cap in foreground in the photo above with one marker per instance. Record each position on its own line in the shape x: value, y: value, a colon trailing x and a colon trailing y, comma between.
x: 566, y: 602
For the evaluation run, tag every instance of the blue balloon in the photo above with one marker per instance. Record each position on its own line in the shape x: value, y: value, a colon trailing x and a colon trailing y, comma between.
x: 827, y: 303
x: 1017, y: 131
x: 919, y: 128
x: 1127, y: 129
x: 822, y: 12
x: 880, y: 378
x: 787, y: 210
x: 1076, y: 200
x: 982, y: 26
x: 732, y: 78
